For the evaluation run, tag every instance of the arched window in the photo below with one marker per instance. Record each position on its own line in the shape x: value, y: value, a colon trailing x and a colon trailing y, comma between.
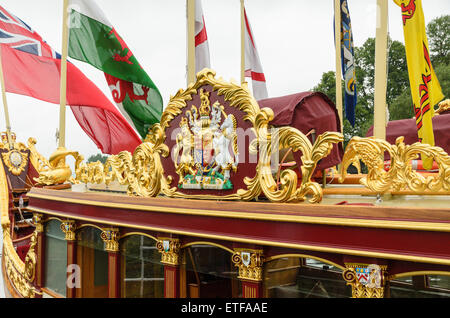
x: 208, y: 272
x: 93, y: 261
x: 142, y: 270
x: 302, y: 277
x: 420, y: 286
x: 55, y: 275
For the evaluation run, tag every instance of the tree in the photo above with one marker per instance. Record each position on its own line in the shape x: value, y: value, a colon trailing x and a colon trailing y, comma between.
x: 98, y: 157
x: 327, y: 85
x: 398, y: 84
x: 438, y: 34
x: 443, y: 75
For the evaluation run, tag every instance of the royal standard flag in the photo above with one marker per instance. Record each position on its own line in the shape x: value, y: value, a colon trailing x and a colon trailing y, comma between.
x: 425, y: 89
x: 93, y: 39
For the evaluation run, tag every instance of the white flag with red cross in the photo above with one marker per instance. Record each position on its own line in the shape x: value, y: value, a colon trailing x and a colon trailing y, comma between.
x: 201, y: 39
x: 253, y: 68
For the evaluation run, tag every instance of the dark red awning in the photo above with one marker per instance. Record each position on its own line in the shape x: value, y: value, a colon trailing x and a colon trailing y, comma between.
x: 306, y: 111
x: 407, y: 128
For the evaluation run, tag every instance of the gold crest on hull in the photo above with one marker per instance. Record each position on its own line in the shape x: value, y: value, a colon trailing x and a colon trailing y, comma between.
x: 208, y: 145
x: 144, y: 174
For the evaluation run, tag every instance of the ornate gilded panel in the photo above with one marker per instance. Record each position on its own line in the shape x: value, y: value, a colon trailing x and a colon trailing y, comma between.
x: 69, y: 228
x: 400, y: 175
x: 111, y: 239
x: 208, y: 145
x: 194, y: 151
x: 15, y: 160
x: 250, y: 264
x: 169, y: 249
x: 367, y: 281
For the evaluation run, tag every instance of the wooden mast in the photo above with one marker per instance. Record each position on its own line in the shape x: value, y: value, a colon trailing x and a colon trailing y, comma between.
x: 337, y: 37
x: 5, y: 103
x: 63, y: 87
x: 379, y: 125
x: 242, y: 43
x: 190, y: 41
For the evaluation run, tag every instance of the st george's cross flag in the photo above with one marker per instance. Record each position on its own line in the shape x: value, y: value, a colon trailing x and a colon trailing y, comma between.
x: 253, y: 68
x: 425, y: 88
x: 32, y: 68
x: 94, y: 40
x: 201, y: 39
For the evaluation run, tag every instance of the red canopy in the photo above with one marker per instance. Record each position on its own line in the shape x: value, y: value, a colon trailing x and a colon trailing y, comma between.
x: 306, y: 111
x: 407, y: 128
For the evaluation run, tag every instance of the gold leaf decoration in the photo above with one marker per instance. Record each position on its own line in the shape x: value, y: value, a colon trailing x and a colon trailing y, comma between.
x: 143, y: 172
x: 400, y: 174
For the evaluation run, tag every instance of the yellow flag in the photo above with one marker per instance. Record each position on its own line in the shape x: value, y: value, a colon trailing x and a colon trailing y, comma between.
x: 425, y: 89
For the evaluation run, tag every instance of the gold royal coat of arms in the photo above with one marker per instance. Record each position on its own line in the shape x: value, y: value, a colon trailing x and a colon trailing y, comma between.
x: 208, y: 146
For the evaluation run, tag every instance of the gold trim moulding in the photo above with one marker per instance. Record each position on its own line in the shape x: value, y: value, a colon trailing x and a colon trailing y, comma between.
x: 419, y: 259
x: 400, y: 175
x: 340, y: 221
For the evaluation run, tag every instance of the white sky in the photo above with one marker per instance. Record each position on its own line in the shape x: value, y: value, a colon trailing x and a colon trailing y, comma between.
x: 294, y: 39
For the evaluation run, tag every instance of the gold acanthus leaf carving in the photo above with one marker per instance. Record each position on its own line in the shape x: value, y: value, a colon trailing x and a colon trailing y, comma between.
x: 443, y: 106
x: 142, y: 171
x: 38, y: 161
x: 287, y: 137
x: 400, y: 174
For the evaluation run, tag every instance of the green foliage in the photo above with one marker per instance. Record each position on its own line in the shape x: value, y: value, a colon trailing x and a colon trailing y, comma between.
x: 443, y: 74
x: 365, y: 74
x: 398, y: 94
x: 327, y: 85
x: 98, y: 157
x: 438, y: 34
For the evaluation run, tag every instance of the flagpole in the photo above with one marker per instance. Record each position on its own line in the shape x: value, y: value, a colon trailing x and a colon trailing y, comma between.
x: 63, y: 83
x: 379, y: 126
x: 242, y: 42
x: 191, y: 41
x: 5, y: 103
x: 337, y: 37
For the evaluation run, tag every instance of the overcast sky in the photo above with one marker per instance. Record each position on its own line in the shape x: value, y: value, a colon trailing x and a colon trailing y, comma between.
x: 294, y: 39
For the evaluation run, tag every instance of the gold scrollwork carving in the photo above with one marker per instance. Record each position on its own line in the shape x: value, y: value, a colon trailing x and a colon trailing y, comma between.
x: 38, y: 161
x: 400, y: 175
x: 69, y: 228
x: 21, y: 274
x: 443, y: 106
x: 30, y: 259
x: 142, y: 171
x: 249, y: 263
x: 367, y: 281
x: 170, y: 251
x: 287, y: 137
x: 111, y: 239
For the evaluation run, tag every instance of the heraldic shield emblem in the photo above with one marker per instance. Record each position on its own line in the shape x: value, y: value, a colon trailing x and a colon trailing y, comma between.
x: 214, y: 142
x: 363, y: 275
x: 206, y: 147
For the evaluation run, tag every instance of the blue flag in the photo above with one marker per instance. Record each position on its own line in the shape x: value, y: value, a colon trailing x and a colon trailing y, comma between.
x: 348, y: 65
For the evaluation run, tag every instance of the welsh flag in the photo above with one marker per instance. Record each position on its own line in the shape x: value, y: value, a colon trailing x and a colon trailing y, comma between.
x: 32, y: 68
x: 93, y: 39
